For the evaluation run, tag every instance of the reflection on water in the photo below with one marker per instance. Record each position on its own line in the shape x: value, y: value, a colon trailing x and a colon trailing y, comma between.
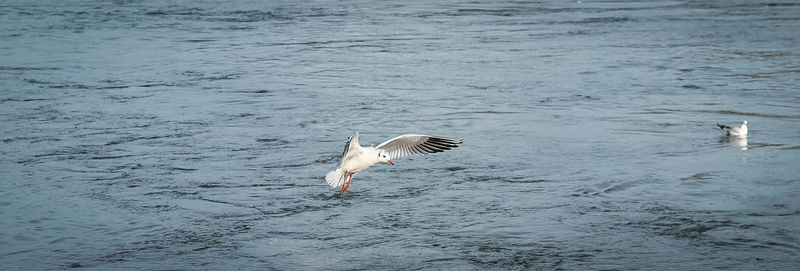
x: 740, y: 142
x: 736, y: 141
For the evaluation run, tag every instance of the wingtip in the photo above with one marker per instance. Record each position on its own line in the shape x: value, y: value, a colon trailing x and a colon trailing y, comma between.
x: 447, y: 140
x: 444, y: 143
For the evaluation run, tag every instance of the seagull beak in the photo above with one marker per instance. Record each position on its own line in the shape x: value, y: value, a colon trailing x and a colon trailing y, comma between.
x: 390, y: 162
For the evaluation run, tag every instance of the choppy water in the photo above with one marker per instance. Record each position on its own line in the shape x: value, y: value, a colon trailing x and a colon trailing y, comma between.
x: 196, y: 135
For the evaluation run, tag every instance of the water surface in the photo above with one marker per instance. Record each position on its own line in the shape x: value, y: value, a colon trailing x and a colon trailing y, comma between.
x: 196, y: 135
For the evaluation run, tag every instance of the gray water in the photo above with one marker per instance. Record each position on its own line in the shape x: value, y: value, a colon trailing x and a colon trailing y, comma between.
x: 168, y: 135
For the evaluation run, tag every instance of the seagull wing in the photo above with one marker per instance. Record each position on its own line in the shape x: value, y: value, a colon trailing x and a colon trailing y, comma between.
x: 352, y: 142
x: 411, y: 144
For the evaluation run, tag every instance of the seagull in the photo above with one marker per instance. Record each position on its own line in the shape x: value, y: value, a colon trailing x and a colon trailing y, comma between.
x: 356, y: 158
x: 740, y: 131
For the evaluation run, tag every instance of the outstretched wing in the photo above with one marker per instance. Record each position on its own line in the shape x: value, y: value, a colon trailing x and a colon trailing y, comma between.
x: 411, y: 144
x: 352, y: 141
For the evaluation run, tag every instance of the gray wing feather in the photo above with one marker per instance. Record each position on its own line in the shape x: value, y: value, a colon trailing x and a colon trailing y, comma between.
x: 346, y: 146
x: 411, y: 144
x: 352, y: 141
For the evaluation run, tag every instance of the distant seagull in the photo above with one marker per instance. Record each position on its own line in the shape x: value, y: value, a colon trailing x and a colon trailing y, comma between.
x: 740, y: 131
x: 356, y: 158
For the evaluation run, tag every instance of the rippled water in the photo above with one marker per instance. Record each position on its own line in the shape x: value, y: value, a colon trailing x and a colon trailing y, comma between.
x: 196, y: 135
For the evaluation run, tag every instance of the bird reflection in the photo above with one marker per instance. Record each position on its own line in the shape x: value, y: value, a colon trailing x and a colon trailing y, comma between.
x: 736, y: 141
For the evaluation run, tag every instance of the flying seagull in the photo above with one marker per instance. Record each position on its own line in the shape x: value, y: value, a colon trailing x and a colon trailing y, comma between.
x: 740, y: 131
x: 356, y: 158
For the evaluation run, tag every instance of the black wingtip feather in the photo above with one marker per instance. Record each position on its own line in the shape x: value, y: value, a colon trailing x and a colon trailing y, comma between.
x: 445, y: 141
x: 437, y: 144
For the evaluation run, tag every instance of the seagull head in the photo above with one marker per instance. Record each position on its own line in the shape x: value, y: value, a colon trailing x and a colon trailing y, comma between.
x: 383, y: 156
x: 744, y: 123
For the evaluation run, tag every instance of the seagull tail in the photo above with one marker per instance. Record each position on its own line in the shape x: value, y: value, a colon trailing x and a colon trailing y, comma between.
x: 724, y: 127
x: 335, y: 178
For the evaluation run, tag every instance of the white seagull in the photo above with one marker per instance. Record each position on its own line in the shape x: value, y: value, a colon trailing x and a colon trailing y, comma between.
x: 740, y: 131
x: 356, y: 158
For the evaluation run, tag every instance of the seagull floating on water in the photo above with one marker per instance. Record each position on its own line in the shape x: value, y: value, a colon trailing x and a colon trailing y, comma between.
x: 356, y: 158
x: 740, y: 131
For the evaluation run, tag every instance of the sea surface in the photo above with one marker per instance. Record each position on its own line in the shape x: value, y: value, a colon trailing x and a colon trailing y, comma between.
x: 195, y: 135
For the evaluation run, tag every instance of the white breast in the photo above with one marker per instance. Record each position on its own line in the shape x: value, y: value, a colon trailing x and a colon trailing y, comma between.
x: 358, y: 160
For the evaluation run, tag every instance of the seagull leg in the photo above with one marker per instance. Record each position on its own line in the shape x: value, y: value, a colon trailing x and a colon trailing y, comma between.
x: 348, y: 182
x: 345, y: 182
